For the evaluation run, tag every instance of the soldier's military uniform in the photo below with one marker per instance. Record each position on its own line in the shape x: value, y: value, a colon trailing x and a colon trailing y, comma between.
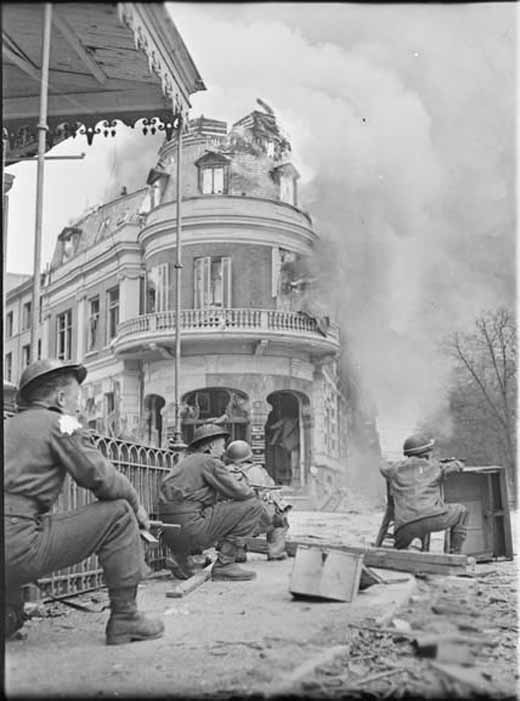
x: 42, y: 445
x: 190, y: 496
x: 415, y: 487
x: 274, y: 522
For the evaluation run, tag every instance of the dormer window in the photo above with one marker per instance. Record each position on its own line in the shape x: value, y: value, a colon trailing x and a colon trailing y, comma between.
x: 68, y: 239
x: 213, y: 173
x: 286, y: 176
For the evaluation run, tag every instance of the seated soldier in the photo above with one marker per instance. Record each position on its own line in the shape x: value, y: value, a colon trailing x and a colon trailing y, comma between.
x: 274, y: 521
x: 415, y: 487
x: 44, y: 441
x: 190, y: 495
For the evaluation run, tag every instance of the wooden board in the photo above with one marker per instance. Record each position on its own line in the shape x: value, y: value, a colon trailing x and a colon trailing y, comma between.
x: 386, y: 558
x: 326, y: 574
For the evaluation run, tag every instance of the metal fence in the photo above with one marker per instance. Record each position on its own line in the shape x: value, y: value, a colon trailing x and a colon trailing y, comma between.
x: 145, y: 467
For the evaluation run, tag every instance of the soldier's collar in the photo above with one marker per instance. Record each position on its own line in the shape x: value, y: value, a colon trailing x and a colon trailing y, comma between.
x: 40, y: 405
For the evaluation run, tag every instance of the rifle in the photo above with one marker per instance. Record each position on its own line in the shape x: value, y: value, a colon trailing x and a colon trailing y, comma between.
x: 452, y: 459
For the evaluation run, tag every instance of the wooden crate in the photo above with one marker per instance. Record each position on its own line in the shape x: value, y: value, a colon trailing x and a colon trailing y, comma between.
x: 325, y: 574
x: 483, y: 490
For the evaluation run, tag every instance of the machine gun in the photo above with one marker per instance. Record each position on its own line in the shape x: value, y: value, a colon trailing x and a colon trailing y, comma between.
x: 443, y: 460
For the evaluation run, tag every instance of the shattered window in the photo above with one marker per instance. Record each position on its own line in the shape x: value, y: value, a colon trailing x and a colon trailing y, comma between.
x: 64, y: 335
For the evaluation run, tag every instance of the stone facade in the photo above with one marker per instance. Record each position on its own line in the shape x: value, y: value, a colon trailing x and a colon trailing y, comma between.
x: 254, y: 356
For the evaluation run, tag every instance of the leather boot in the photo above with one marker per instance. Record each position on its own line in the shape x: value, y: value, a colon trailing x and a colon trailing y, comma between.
x: 241, y: 555
x: 225, y: 569
x: 456, y: 543
x: 179, y: 566
x: 126, y: 624
x: 276, y: 544
x: 14, y: 614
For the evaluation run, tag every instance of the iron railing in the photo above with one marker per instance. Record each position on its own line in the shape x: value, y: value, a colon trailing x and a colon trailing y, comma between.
x: 145, y: 467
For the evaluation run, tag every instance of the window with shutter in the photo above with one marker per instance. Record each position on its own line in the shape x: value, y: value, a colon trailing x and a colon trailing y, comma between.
x: 201, y: 282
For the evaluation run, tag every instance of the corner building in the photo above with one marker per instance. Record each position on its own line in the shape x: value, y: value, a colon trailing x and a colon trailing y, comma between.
x: 255, y: 355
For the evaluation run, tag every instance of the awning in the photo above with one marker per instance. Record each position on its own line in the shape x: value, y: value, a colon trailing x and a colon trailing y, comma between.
x: 108, y: 62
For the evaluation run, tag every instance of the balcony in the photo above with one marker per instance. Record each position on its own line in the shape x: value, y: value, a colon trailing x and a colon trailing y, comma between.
x: 152, y: 333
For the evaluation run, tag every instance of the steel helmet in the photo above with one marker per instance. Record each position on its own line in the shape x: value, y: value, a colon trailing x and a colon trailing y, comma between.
x: 415, y: 445
x: 238, y: 451
x: 207, y: 432
x: 48, y: 366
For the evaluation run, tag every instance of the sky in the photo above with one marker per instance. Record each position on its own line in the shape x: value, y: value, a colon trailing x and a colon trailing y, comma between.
x: 402, y: 120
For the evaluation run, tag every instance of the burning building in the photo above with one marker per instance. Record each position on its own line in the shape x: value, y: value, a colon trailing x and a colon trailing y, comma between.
x: 257, y: 355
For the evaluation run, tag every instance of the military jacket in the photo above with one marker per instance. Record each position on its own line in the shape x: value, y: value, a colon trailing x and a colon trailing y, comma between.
x: 42, y: 445
x: 253, y: 473
x: 415, y: 487
x: 196, y: 482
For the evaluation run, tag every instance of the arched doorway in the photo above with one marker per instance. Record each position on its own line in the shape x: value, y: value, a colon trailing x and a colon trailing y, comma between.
x: 153, y: 404
x: 285, y: 439
x: 222, y: 405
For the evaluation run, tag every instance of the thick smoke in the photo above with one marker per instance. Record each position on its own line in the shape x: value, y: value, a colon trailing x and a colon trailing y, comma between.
x: 402, y: 125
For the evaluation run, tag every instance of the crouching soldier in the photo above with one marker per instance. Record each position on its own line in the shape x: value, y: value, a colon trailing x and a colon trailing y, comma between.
x: 414, y: 484
x: 274, y: 521
x: 43, y: 442
x: 211, y: 506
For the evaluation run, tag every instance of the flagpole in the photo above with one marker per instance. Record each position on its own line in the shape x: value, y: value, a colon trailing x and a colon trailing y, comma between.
x: 40, y: 171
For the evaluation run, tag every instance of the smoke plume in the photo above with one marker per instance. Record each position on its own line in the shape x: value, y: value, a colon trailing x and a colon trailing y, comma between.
x: 402, y: 125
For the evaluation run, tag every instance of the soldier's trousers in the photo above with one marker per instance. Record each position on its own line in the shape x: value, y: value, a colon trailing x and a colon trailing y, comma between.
x: 454, y: 518
x: 226, y: 522
x: 35, y: 546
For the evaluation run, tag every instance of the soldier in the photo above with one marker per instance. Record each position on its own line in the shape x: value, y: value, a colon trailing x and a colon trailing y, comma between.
x: 43, y: 442
x: 415, y: 487
x: 274, y: 521
x: 190, y: 495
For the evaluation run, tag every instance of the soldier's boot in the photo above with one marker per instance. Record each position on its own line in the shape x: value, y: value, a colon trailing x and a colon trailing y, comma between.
x: 276, y: 543
x: 456, y: 542
x: 14, y: 614
x: 179, y: 566
x: 241, y: 555
x: 225, y: 568
x: 126, y: 624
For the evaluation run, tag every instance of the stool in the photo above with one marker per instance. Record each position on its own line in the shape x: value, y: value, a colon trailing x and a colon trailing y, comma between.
x: 388, y: 519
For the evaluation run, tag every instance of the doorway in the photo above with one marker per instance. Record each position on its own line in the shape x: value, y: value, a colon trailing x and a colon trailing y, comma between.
x: 284, y: 450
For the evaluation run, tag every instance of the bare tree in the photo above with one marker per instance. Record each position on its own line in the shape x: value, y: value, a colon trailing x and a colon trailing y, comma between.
x: 483, y: 396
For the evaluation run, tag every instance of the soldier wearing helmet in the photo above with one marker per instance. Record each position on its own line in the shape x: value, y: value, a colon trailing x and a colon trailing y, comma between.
x: 43, y: 442
x: 415, y: 487
x: 274, y: 521
x: 211, y: 506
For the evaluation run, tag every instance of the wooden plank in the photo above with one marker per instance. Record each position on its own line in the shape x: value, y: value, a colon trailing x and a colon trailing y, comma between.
x: 386, y: 558
x: 184, y: 588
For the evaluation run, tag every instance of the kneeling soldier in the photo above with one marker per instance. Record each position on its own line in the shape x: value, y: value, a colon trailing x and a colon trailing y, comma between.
x: 274, y: 521
x: 211, y: 506
x: 43, y: 442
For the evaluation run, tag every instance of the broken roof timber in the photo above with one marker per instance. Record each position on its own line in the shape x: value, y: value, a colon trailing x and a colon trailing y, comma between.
x: 108, y: 62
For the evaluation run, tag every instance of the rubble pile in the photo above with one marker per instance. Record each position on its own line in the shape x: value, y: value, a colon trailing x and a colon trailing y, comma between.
x: 457, y: 637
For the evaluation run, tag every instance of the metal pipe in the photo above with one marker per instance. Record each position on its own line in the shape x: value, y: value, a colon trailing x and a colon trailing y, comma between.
x: 42, y: 133
x: 4, y: 213
x: 47, y: 158
x: 178, y: 279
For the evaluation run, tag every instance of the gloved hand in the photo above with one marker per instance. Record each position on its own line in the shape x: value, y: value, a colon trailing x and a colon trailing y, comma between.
x: 142, y: 518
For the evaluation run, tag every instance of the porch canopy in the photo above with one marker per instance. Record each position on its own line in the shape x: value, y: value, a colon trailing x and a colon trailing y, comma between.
x: 108, y: 62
